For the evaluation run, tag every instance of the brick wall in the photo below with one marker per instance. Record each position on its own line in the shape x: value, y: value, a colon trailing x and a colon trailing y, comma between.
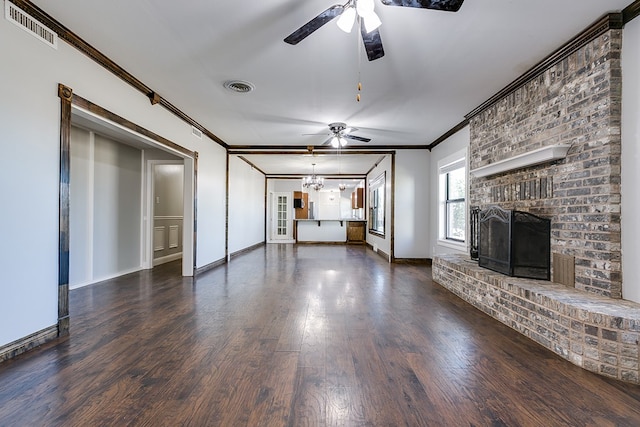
x: 576, y: 101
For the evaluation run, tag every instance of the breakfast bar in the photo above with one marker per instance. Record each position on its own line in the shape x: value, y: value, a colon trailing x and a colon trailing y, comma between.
x: 346, y: 230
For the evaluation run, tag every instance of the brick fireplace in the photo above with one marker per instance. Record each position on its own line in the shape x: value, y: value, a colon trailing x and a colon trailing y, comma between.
x: 575, y: 102
x: 570, y: 103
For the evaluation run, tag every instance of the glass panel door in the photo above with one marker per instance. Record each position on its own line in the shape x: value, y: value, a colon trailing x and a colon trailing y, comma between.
x: 281, y: 220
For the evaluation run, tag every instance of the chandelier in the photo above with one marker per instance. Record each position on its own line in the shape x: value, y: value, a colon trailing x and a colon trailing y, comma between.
x: 313, y: 181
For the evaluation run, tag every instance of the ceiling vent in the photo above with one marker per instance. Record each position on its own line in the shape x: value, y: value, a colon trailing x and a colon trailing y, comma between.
x: 196, y: 132
x: 29, y: 24
x: 239, y: 86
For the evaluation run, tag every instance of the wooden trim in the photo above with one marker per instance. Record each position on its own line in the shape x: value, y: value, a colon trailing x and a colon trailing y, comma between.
x: 108, y: 115
x: 252, y: 165
x: 195, y: 210
x: 414, y: 261
x: 448, y: 134
x: 245, y: 250
x: 375, y: 165
x: 74, y: 40
x: 65, y: 94
x: 226, y: 210
x: 25, y: 344
x: 309, y: 242
x: 210, y: 266
x: 384, y: 255
x: 266, y: 208
x: 154, y: 98
x: 393, y: 209
x: 611, y: 21
x: 330, y: 149
x: 631, y: 12
x: 331, y: 152
x: 298, y: 176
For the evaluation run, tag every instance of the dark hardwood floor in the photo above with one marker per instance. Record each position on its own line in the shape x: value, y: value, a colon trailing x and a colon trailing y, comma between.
x: 297, y: 336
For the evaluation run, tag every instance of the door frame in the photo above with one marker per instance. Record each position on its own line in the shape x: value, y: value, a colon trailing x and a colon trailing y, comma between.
x: 146, y: 246
x: 72, y: 104
x: 272, y: 222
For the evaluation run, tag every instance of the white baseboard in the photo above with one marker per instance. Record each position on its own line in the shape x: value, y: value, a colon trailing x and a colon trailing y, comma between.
x: 102, y: 279
x: 167, y: 258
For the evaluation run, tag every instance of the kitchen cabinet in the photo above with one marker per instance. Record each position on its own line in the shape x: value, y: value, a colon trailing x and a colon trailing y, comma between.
x: 301, y: 204
x: 357, y: 198
x: 356, y: 231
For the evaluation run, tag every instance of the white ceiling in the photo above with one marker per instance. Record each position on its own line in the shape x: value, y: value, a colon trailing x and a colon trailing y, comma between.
x: 438, y: 65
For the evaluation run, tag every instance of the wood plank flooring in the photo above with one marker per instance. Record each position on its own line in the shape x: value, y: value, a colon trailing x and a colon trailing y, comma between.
x: 297, y: 336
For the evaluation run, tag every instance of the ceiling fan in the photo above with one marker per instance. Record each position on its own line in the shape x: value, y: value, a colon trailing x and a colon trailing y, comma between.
x: 362, y: 11
x: 339, y: 133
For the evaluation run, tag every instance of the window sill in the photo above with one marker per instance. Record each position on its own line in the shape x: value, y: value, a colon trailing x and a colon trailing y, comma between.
x: 460, y: 246
x: 376, y: 233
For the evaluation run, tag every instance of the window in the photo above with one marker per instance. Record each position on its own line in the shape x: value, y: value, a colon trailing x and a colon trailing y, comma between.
x: 455, y: 218
x: 376, y: 205
x: 453, y: 203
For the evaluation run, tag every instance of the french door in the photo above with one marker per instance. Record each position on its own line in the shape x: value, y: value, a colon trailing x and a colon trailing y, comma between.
x: 281, y: 220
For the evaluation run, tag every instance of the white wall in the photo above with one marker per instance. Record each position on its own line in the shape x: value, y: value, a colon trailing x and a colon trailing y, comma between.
x: 631, y: 161
x: 105, y: 214
x: 246, y: 205
x: 81, y: 221
x: 30, y: 131
x: 457, y: 142
x: 382, y: 243
x: 412, y: 204
x: 328, y: 203
x: 117, y: 212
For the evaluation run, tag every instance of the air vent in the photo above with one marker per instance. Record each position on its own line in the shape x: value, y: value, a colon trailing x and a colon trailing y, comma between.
x: 196, y: 132
x: 23, y: 20
x: 239, y: 86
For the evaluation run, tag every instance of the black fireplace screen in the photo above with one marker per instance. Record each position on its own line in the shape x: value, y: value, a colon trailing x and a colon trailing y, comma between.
x: 514, y: 243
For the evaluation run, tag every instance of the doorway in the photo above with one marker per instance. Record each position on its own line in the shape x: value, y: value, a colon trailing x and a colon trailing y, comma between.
x: 281, y: 218
x: 165, y: 188
x: 113, y: 183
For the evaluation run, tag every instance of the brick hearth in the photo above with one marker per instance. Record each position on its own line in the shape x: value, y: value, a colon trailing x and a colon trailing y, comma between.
x: 598, y: 333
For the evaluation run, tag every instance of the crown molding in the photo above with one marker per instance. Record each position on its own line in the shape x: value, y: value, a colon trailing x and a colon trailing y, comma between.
x: 76, y: 41
x: 631, y: 12
x: 447, y: 134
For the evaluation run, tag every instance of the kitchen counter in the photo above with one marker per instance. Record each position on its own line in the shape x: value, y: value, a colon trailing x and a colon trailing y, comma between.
x: 323, y: 230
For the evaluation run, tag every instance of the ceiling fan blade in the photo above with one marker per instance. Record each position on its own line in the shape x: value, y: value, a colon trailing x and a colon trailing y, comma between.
x: 372, y: 43
x: 303, y: 32
x: 357, y: 138
x: 445, y: 5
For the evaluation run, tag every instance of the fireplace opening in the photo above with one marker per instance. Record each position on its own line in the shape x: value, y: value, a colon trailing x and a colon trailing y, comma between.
x: 514, y: 243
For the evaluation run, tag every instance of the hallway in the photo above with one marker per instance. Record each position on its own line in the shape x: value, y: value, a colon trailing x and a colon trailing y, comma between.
x: 304, y: 335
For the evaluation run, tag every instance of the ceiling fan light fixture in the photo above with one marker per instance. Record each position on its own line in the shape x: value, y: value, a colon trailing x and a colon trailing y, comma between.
x: 347, y: 19
x: 338, y: 141
x: 364, y: 7
x: 371, y: 21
